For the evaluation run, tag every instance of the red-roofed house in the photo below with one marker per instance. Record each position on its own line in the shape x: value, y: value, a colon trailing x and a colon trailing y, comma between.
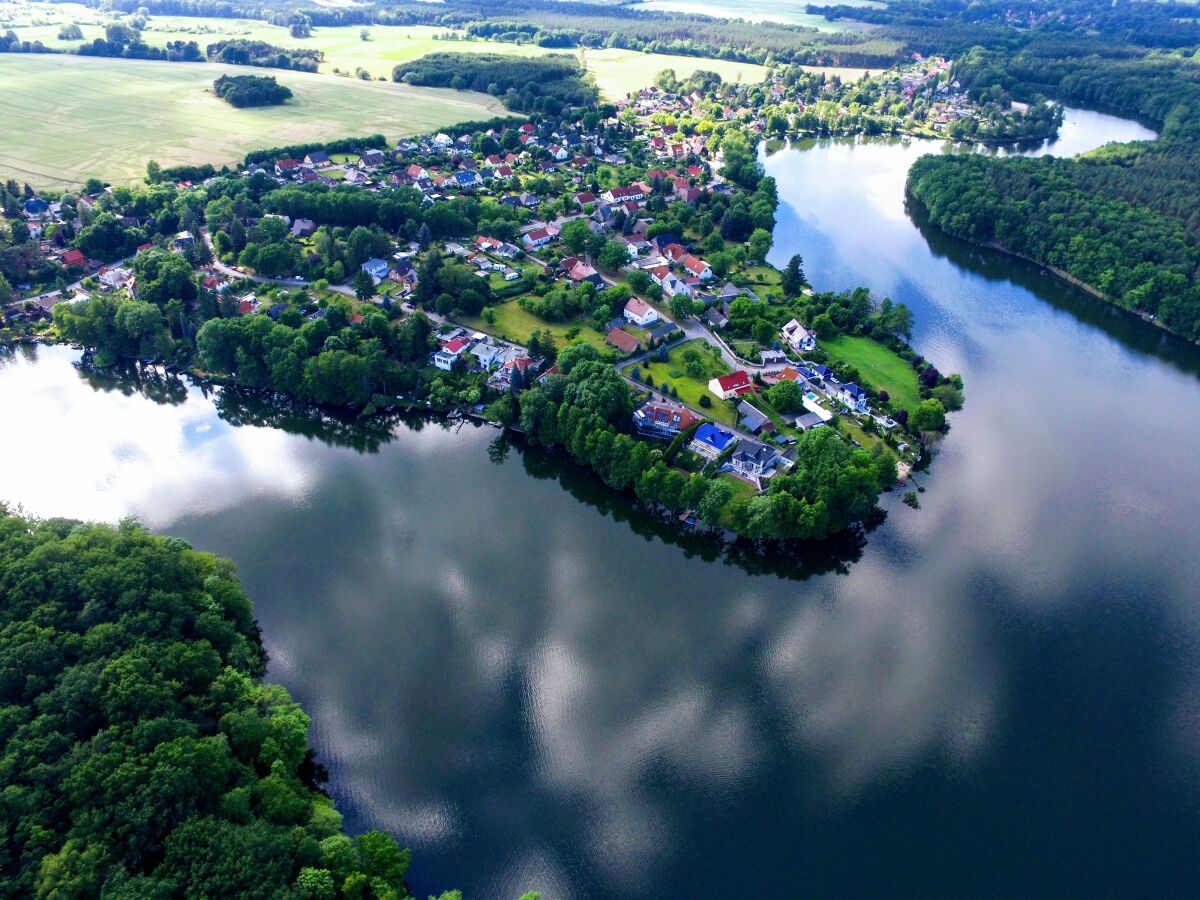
x: 623, y: 340
x: 664, y: 420
x: 448, y: 355
x: 74, y: 257
x: 732, y: 385
x: 539, y: 237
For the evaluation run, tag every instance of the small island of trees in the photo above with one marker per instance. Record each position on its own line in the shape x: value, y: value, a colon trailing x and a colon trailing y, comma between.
x: 251, y: 90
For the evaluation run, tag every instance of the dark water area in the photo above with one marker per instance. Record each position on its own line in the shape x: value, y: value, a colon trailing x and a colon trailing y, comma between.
x: 537, y: 686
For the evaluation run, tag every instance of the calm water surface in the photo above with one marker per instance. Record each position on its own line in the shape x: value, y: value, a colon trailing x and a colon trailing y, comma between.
x: 998, y: 694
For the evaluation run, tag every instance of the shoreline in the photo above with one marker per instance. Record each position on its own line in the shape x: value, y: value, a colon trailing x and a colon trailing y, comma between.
x: 1061, y: 274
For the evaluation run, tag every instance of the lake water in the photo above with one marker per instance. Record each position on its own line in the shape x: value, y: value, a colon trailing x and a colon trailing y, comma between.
x: 535, y: 688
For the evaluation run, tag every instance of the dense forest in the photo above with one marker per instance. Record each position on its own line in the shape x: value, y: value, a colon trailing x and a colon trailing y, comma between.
x: 1140, y: 259
x: 543, y: 84
x: 142, y: 754
x: 251, y: 90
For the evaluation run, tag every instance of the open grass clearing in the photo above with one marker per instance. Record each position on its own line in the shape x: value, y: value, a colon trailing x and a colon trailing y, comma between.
x: 111, y: 116
x: 673, y: 374
x: 881, y: 369
x: 513, y: 323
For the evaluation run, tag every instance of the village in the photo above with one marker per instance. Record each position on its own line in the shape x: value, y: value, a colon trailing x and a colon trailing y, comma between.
x: 600, y: 230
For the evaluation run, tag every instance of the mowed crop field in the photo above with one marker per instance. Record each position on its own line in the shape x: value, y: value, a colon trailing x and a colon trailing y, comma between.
x: 67, y: 118
x: 617, y: 72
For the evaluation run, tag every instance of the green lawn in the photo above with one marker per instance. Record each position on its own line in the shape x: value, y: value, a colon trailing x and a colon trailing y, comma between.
x: 516, y: 324
x: 881, y: 368
x: 692, y: 389
x: 111, y: 116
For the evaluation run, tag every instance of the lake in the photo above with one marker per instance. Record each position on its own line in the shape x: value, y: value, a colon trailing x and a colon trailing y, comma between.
x: 535, y: 687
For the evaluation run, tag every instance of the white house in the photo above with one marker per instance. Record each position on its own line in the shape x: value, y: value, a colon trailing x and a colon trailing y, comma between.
x: 853, y: 396
x: 539, y: 237
x: 448, y: 355
x: 798, y: 337
x: 640, y: 313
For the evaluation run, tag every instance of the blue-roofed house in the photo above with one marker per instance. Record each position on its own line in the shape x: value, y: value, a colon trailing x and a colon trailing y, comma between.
x: 376, y: 268
x: 853, y: 396
x: 35, y: 207
x: 466, y: 180
x: 277, y: 310
x: 823, y: 372
x: 711, y: 441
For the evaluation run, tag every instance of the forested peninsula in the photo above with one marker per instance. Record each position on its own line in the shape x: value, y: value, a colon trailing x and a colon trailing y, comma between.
x: 141, y: 754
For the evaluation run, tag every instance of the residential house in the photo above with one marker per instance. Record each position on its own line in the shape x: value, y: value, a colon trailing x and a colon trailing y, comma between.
x: 640, y: 313
x: 809, y: 421
x: 661, y: 331
x: 753, y: 419
x: 622, y: 194
x: 710, y: 441
x: 539, y: 237
x: 623, y: 341
x: 184, y: 241
x: 715, y: 317
x: 753, y: 460
x: 36, y: 208
x: 376, y: 268
x: 115, y: 278
x: 371, y: 159
x: 798, y: 337
x: 74, y: 257
x: 823, y: 372
x: 303, y: 228
x: 772, y: 357
x: 449, y: 353
x: 581, y: 271
x: 286, y: 167
x: 732, y: 385
x: 318, y: 158
x: 852, y: 396
x: 662, y: 419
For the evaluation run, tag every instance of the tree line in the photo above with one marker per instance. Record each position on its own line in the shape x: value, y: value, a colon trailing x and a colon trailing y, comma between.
x: 543, y: 84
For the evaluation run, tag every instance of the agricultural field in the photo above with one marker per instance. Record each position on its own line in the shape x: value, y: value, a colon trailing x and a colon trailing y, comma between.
x: 111, y: 116
x: 880, y: 368
x: 617, y: 71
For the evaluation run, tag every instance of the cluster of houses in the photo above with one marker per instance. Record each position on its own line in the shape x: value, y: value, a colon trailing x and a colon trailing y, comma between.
x: 752, y: 460
x: 476, y: 351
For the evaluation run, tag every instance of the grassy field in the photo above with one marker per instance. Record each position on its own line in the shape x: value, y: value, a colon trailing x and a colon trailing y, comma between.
x: 881, y: 368
x: 512, y: 323
x: 617, y: 72
x: 673, y: 373
x: 111, y: 116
